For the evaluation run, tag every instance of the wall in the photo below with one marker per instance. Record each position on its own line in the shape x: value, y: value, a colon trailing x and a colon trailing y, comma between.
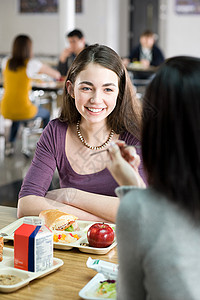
x: 101, y: 20
x: 105, y: 22
x: 124, y: 28
x: 96, y: 21
x: 182, y: 33
x: 41, y: 27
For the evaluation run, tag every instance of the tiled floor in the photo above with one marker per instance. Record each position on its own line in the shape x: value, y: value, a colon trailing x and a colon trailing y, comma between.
x: 14, y: 168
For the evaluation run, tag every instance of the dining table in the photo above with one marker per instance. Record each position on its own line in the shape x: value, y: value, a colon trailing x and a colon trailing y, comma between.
x: 48, y: 91
x: 45, y: 83
x: 140, y: 75
x: 44, y: 90
x: 48, y: 85
x: 66, y: 281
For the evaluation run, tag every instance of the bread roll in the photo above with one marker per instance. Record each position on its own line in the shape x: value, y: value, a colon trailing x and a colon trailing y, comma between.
x: 57, y: 220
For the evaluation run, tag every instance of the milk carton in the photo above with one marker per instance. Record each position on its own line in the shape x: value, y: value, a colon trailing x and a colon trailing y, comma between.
x: 33, y: 246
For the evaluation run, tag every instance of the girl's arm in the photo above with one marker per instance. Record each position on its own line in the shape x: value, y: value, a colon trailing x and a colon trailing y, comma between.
x: 85, y: 205
x: 105, y: 207
x: 35, y: 66
x: 33, y: 205
x: 49, y: 71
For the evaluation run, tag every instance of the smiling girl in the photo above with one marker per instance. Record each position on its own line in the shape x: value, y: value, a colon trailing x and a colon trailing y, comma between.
x: 99, y: 106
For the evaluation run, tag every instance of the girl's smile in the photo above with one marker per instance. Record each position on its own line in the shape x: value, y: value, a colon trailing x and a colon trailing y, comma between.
x: 95, y: 91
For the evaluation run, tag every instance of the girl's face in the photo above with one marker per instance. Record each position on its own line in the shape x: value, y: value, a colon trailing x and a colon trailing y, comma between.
x: 95, y: 91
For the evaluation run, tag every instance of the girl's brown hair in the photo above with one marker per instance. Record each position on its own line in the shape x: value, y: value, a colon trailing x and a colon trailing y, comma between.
x: 21, y: 52
x: 127, y: 113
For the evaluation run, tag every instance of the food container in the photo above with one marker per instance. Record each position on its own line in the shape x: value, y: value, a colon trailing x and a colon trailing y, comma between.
x: 81, y: 243
x: 7, y: 268
x: 33, y: 246
x: 103, y: 285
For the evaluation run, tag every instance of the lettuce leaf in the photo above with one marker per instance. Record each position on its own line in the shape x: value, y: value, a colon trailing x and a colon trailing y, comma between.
x: 70, y: 228
x: 107, y: 289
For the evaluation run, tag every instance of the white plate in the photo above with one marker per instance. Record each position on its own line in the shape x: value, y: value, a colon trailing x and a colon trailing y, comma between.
x: 83, y: 225
x: 7, y: 267
x: 89, y: 290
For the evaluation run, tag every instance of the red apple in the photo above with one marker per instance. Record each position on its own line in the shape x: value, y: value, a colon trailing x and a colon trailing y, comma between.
x: 100, y: 235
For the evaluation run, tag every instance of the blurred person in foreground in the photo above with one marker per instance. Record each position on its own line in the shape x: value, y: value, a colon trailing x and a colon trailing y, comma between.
x: 158, y: 228
x: 77, y: 43
x: 18, y: 70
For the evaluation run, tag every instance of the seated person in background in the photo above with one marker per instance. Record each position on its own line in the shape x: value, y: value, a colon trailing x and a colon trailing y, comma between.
x: 76, y: 45
x: 147, y: 53
x: 158, y: 228
x: 17, y: 73
x: 99, y: 106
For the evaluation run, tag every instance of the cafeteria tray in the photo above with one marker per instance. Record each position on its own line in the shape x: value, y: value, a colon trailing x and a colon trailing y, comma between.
x: 88, y: 292
x: 81, y: 243
x: 7, y: 267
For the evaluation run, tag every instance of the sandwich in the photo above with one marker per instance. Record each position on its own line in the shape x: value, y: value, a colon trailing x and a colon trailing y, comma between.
x: 55, y: 219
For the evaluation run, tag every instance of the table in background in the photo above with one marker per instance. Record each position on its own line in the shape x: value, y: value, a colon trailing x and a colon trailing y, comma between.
x: 66, y: 282
x: 43, y: 85
x: 141, y: 76
x: 44, y: 92
x: 48, y: 86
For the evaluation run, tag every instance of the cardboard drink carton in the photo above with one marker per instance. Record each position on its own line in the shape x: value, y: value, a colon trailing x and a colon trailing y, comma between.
x: 33, y: 246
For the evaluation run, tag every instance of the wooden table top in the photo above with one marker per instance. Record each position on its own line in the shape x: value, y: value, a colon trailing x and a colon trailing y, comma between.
x: 66, y: 282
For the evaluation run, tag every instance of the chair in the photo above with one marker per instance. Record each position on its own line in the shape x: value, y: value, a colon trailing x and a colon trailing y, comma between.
x: 30, y: 128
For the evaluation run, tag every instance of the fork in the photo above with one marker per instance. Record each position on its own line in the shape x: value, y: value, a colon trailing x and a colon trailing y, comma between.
x: 6, y: 234
x: 3, y: 234
x: 136, y: 146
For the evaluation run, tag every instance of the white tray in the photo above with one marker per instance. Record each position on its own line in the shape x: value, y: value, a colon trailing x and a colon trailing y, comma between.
x: 7, y: 267
x: 83, y: 225
x: 89, y: 290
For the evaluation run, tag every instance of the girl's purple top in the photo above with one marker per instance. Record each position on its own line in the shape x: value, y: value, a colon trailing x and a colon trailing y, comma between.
x: 50, y: 154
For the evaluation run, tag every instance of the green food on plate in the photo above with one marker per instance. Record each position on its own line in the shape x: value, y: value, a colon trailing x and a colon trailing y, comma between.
x: 107, y: 289
x: 70, y: 228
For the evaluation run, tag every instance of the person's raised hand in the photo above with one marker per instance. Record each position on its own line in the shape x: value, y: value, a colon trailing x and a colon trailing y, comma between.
x: 124, y: 163
x: 65, y: 54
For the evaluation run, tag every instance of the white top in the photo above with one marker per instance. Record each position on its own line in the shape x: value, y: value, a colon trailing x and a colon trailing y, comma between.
x: 146, y: 54
x: 33, y: 66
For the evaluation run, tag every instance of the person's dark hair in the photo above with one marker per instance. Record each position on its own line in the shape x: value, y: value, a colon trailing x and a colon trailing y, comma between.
x: 127, y: 113
x: 21, y: 52
x: 75, y: 32
x: 147, y: 33
x: 171, y: 132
